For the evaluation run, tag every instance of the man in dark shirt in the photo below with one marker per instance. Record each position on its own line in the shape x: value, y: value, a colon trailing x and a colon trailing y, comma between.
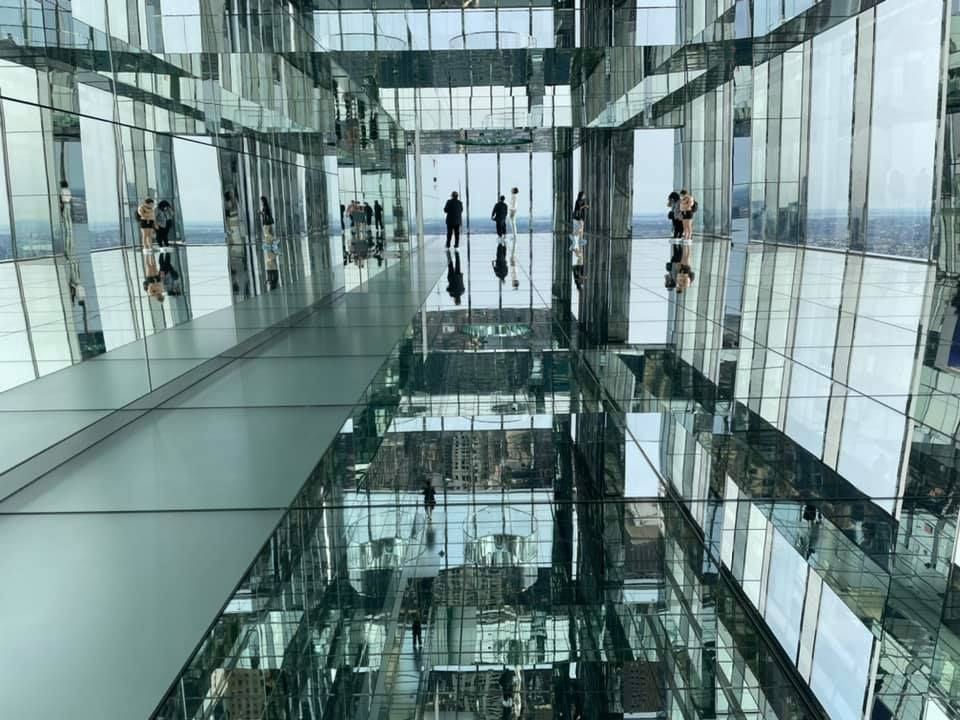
x: 368, y: 213
x: 499, y: 216
x: 454, y: 212
x: 378, y: 214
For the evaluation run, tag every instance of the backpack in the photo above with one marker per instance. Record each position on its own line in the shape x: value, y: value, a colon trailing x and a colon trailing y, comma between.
x: 693, y: 208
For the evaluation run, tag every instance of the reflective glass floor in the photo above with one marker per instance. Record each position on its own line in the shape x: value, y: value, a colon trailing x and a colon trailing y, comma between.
x: 459, y: 504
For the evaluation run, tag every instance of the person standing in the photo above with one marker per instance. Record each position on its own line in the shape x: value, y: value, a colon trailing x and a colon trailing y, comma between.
x: 688, y: 206
x: 164, y: 222
x: 343, y: 224
x: 378, y: 215
x: 66, y: 217
x: 454, y: 217
x: 357, y: 217
x: 146, y: 215
x: 270, y: 249
x: 514, y: 207
x: 499, y: 216
x: 429, y: 499
x: 368, y: 214
x: 579, y: 218
x: 675, y: 214
x: 266, y: 220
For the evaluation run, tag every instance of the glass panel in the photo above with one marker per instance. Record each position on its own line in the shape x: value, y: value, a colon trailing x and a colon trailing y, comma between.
x: 904, y: 127
x: 831, y: 126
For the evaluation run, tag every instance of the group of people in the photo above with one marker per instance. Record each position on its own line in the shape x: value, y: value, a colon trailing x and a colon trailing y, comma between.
x: 362, y: 216
x: 156, y: 223
x: 500, y: 215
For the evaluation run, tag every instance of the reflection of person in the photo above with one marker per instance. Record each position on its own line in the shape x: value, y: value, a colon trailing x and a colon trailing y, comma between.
x: 500, y: 263
x: 417, y: 633
x: 675, y: 214
x: 514, y: 207
x: 266, y: 219
x: 367, y: 214
x: 66, y: 217
x: 168, y: 274
x: 378, y: 214
x: 152, y: 282
x: 164, y: 222
x: 231, y: 211
x: 454, y: 216
x: 499, y: 216
x: 579, y: 272
x: 455, y: 286
x: 688, y: 206
x: 685, y: 277
x: 270, y: 245
x: 673, y: 266
x: 429, y: 499
x: 506, y: 694
x: 579, y: 217
x: 146, y: 216
x: 357, y: 217
x: 343, y: 209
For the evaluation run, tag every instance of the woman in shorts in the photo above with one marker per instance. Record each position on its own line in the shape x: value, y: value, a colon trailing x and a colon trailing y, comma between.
x: 147, y: 217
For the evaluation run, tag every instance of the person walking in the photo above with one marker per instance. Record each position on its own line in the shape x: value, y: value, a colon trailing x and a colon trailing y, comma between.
x: 378, y: 215
x: 417, y: 633
x: 429, y: 499
x: 368, y: 214
x: 453, y: 210
x: 499, y: 216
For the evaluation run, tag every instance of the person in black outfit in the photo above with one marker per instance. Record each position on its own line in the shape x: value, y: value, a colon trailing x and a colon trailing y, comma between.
x: 429, y: 499
x: 454, y: 212
x: 506, y: 694
x: 675, y: 214
x: 378, y: 214
x: 417, y: 633
x: 368, y: 213
x: 499, y: 216
x: 455, y: 286
x: 343, y: 209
